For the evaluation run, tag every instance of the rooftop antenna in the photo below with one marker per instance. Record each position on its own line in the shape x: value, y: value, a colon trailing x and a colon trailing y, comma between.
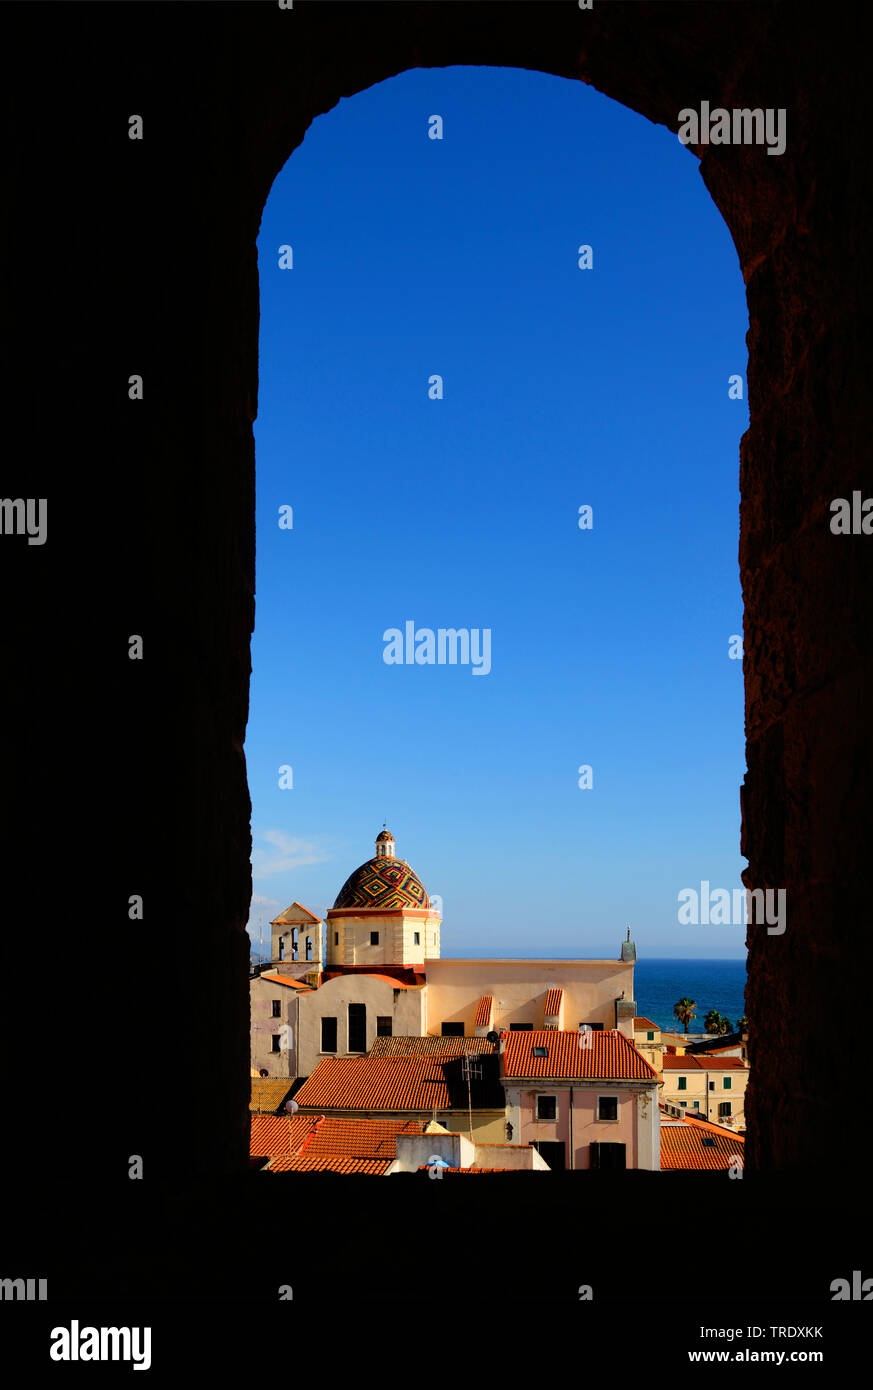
x: 472, y: 1068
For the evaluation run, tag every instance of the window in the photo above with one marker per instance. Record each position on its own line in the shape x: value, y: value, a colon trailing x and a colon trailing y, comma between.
x: 336, y: 938
x: 281, y: 948
x: 591, y: 1027
x: 553, y: 1152
x: 452, y: 1030
x: 541, y: 1052
x: 696, y: 1104
x: 374, y: 938
x: 726, y: 1083
x: 547, y: 1107
x: 724, y: 1109
x: 521, y: 1027
x: 309, y: 948
x: 682, y: 1082
x: 708, y: 1141
x: 276, y: 1040
x: 650, y: 1037
x: 293, y: 943
x: 607, y: 1107
x: 416, y: 937
x: 328, y: 1035
x: 712, y: 1085
x: 606, y: 1156
x: 684, y: 1104
x: 277, y: 1008
x: 383, y: 1026
x: 357, y: 1027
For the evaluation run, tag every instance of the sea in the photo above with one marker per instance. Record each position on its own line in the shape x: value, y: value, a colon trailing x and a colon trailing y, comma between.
x: 712, y: 984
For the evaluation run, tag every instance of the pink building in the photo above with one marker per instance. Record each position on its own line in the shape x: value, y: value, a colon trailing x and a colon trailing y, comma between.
x: 583, y: 1099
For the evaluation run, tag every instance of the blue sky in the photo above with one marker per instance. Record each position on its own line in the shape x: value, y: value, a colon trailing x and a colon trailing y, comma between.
x: 562, y: 387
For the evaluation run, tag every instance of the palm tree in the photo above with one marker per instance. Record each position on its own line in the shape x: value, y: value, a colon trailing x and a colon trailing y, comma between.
x: 742, y: 1024
x: 685, y: 1010
x: 716, y: 1023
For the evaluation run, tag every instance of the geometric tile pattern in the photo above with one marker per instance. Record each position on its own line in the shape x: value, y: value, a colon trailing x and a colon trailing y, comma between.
x: 383, y: 882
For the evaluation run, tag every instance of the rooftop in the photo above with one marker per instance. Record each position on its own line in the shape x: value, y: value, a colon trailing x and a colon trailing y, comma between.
x: 607, y: 1056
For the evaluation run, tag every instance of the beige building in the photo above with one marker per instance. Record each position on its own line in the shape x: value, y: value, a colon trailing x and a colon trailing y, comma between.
x: 712, y: 1088
x: 275, y: 1023
x: 383, y: 976
x: 649, y: 1039
x: 297, y: 940
x: 583, y: 1100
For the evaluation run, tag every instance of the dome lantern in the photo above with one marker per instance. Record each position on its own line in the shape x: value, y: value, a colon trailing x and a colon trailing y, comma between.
x: 384, y: 845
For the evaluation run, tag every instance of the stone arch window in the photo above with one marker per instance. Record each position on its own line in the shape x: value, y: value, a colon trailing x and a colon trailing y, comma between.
x: 802, y: 599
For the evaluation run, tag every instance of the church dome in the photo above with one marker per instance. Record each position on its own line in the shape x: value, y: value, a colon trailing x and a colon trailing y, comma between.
x: 383, y: 882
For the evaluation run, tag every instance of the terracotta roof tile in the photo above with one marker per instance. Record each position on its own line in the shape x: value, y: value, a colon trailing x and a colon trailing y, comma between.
x: 376, y: 1083
x: 352, y: 1138
x: 269, y: 1093
x: 278, y: 1134
x: 284, y: 980
x: 682, y: 1146
x: 646, y: 1023
x: 672, y: 1062
x: 326, y: 1163
x: 483, y: 1011
x: 553, y: 1002
x: 610, y: 1056
x: 393, y: 1084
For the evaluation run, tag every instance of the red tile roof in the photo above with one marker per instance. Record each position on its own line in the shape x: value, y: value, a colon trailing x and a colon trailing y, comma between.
x: 278, y: 1134
x: 269, y: 1093
x: 609, y: 1057
x: 682, y: 1145
x: 285, y: 980
x: 352, y: 1138
x: 689, y: 1062
x: 376, y: 1083
x: 329, y: 1164
x: 646, y: 1023
x: 483, y: 1011
x: 553, y: 1002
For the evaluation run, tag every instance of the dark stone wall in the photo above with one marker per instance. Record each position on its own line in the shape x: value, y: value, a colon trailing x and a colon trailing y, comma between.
x: 124, y: 777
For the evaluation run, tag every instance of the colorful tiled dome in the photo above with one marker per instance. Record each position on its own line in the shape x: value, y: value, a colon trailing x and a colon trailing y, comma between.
x: 384, y: 835
x: 383, y: 882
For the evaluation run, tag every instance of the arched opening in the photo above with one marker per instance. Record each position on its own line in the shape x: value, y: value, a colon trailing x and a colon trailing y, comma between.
x: 231, y: 99
x: 448, y: 244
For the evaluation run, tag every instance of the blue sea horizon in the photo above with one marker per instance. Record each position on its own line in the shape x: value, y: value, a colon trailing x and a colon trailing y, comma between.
x: 712, y: 984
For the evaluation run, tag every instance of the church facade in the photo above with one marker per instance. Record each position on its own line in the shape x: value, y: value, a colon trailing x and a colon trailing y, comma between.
x: 373, y: 969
